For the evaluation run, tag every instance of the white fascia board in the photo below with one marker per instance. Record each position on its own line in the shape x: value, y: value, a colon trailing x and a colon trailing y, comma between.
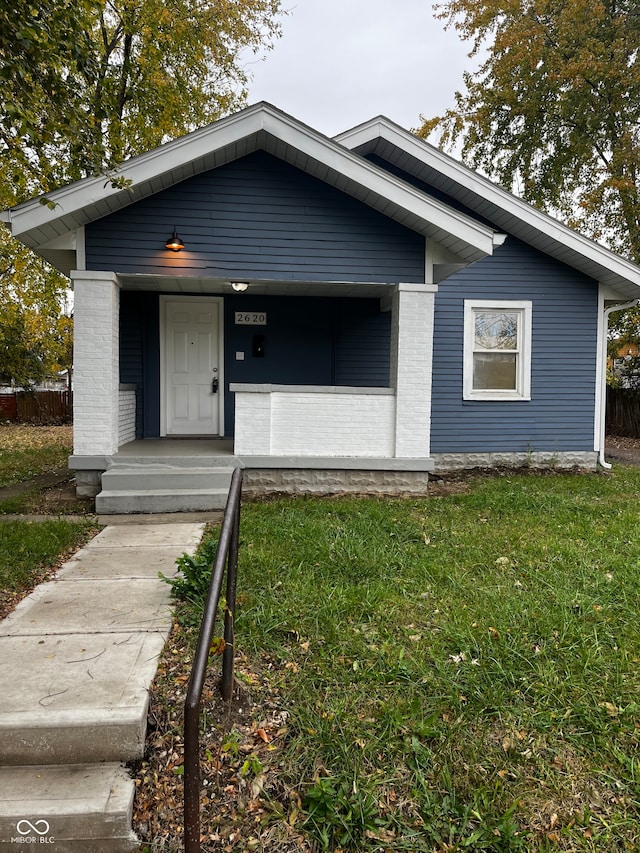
x: 379, y: 181
x: 519, y: 209
x: 72, y: 199
x: 81, y: 194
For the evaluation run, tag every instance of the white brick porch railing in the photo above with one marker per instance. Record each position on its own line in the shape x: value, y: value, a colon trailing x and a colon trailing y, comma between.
x: 127, y: 414
x: 282, y: 420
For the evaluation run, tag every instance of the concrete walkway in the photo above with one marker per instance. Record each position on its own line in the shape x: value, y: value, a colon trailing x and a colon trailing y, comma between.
x: 77, y: 657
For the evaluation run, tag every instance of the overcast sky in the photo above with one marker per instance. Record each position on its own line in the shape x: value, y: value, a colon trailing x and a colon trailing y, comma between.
x: 341, y: 62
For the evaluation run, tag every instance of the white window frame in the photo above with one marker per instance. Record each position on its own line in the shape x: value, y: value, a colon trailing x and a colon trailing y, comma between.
x: 522, y: 390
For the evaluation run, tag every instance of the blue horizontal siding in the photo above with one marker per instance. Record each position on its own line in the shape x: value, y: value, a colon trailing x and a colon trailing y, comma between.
x: 362, y: 345
x: 560, y: 415
x: 132, y: 350
x: 140, y: 357
x: 257, y: 217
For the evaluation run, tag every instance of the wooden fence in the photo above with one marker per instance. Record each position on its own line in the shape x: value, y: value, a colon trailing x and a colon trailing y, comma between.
x: 623, y: 412
x: 41, y: 407
x: 623, y: 409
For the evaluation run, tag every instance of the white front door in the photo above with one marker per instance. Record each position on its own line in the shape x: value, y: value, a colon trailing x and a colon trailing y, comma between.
x: 192, y: 366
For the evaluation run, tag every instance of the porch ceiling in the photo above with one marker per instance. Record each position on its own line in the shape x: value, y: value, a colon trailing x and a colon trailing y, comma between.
x: 257, y: 287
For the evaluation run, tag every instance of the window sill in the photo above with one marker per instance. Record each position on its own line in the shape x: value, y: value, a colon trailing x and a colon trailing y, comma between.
x: 496, y: 397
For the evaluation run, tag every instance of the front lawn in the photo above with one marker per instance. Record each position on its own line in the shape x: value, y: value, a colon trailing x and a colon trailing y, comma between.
x: 451, y: 673
x: 26, y: 451
x: 29, y: 550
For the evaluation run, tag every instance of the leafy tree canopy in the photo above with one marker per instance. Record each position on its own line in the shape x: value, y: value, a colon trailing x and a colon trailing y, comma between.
x: 554, y: 108
x: 86, y: 84
x: 35, y: 330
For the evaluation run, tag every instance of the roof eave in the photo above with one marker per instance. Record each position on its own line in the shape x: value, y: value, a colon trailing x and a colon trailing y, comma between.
x: 36, y: 223
x: 510, y: 213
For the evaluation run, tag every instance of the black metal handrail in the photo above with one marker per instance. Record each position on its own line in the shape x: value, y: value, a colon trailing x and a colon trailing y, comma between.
x: 226, y: 552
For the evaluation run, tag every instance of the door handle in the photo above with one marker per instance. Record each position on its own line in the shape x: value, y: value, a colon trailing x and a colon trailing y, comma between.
x: 214, y: 385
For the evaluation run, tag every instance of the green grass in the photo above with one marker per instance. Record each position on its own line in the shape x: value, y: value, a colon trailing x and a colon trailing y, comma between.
x: 29, y: 549
x: 26, y: 451
x: 461, y: 673
x: 56, y: 500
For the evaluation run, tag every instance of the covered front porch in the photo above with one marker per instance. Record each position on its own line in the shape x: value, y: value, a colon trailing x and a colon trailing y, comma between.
x: 287, y: 436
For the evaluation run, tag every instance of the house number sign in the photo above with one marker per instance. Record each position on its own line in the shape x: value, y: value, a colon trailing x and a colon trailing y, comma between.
x: 251, y: 318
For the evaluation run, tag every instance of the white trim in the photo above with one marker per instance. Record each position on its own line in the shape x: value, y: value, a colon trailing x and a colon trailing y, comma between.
x: 415, y: 287
x: 603, y: 375
x: 601, y: 348
x: 81, y: 252
x: 163, y: 366
x: 95, y: 275
x: 523, y: 371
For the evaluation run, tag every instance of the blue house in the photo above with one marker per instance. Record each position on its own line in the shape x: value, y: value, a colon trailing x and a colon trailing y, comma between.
x: 331, y: 314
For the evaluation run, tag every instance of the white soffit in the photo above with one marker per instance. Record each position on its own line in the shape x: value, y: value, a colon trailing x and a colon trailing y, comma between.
x: 506, y: 211
x: 258, y: 127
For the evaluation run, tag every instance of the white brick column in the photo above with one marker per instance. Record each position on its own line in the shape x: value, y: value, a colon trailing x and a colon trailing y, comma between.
x: 411, y: 367
x: 96, y: 379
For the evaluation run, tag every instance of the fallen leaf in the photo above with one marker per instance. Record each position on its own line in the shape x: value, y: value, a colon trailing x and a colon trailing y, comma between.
x: 217, y: 646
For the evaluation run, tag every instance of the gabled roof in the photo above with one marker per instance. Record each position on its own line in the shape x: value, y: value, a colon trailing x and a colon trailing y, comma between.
x: 50, y: 228
x: 423, y: 161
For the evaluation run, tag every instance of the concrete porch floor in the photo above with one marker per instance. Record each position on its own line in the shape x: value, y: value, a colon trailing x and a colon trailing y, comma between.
x: 161, y: 448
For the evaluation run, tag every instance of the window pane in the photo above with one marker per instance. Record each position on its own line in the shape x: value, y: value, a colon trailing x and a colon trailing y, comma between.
x: 494, y: 371
x: 496, y: 330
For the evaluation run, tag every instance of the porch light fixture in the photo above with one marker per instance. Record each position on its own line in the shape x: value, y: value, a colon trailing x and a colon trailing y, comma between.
x: 174, y: 242
x: 239, y: 286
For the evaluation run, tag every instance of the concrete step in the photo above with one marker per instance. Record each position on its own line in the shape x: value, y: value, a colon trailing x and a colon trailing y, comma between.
x: 73, y: 809
x: 162, y: 488
x: 145, y: 477
x: 114, y: 502
x: 75, y: 698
